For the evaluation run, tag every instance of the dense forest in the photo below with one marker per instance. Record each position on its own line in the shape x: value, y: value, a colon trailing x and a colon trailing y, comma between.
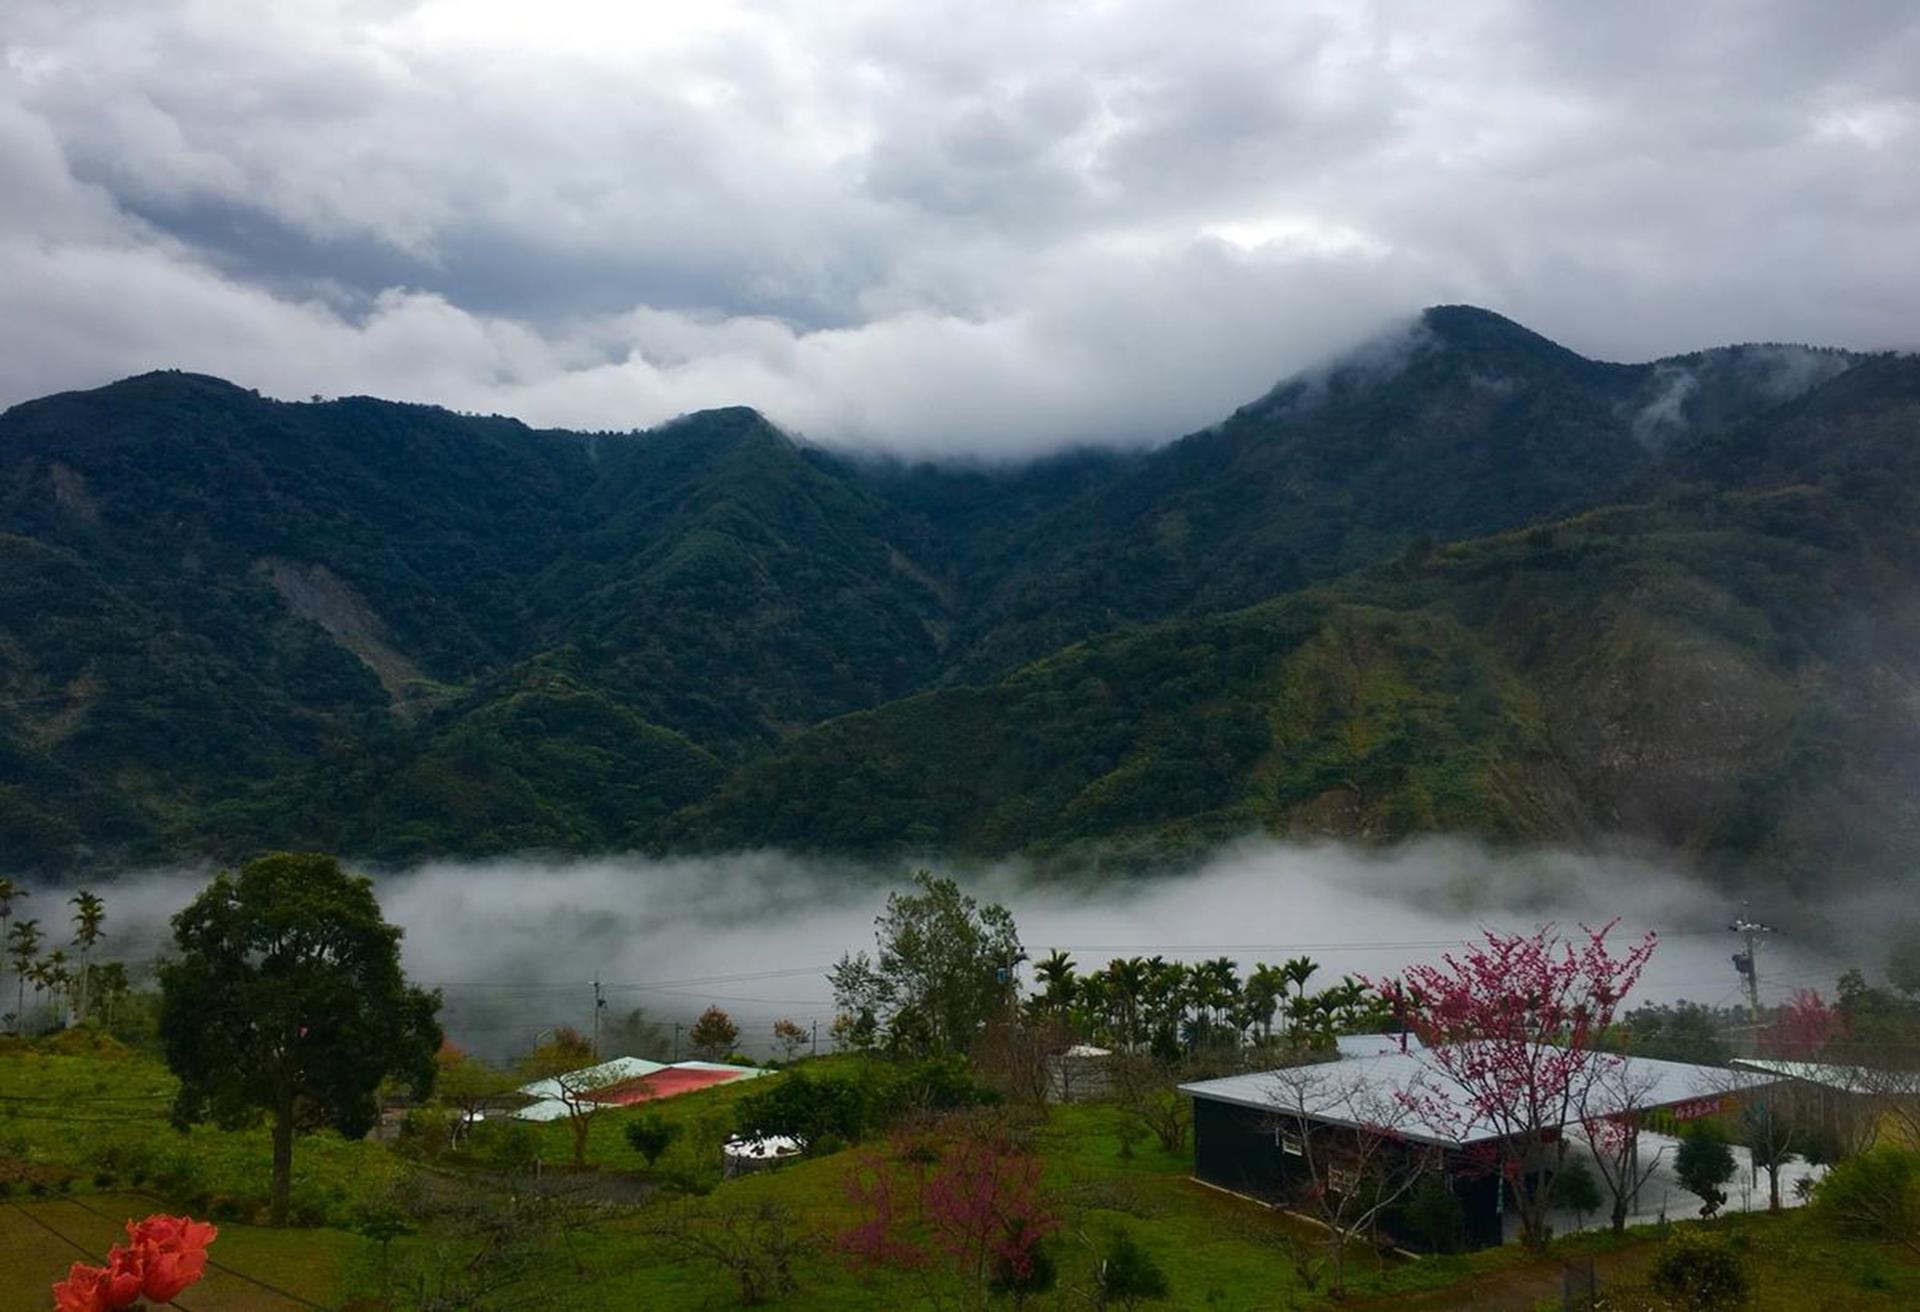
x: 1464, y: 580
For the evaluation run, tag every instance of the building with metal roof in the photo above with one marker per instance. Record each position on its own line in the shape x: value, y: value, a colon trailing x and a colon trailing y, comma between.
x: 1245, y: 1140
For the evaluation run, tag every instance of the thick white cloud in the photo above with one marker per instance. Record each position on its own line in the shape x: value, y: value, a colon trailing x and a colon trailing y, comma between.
x: 943, y: 227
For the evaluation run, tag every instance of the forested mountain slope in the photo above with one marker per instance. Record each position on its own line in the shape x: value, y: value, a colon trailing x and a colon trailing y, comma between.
x: 1463, y: 580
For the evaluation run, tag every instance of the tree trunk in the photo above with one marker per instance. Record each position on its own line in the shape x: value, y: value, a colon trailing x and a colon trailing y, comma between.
x: 1773, y: 1187
x: 282, y: 1161
x: 1619, y: 1214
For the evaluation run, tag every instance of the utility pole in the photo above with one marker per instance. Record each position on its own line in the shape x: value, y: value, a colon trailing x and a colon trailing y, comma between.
x: 816, y: 1037
x: 1747, y: 963
x: 676, y: 1040
x: 599, y: 1005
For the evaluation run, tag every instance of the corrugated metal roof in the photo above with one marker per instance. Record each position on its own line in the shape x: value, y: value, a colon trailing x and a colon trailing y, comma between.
x: 1341, y: 1092
x: 1373, y: 1045
x: 626, y: 1080
x: 1847, y: 1079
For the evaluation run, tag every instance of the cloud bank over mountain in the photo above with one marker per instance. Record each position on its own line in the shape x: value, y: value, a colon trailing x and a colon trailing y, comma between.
x: 514, y: 944
x: 934, y: 229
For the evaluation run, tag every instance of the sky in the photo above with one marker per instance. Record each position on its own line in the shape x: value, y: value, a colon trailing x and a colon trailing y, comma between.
x: 960, y: 229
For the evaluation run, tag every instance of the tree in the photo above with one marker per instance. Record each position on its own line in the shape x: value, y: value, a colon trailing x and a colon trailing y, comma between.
x: 1801, y: 1027
x: 558, y: 1070
x: 633, y: 1035
x: 757, y: 1244
x: 1575, y: 1190
x: 651, y: 1135
x: 714, y: 1034
x: 1613, y: 1108
x: 23, y: 947
x: 11, y: 893
x: 1148, y: 1093
x: 469, y: 1085
x: 109, y: 986
x: 286, y: 997
x: 1127, y: 1275
x: 1703, y: 1165
x: 89, y: 917
x: 1354, y: 1159
x: 790, y: 1035
x: 1054, y: 974
x: 944, y: 967
x: 1511, y: 1033
x: 980, y: 1206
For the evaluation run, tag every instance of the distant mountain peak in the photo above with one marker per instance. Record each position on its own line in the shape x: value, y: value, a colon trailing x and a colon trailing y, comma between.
x: 1470, y: 328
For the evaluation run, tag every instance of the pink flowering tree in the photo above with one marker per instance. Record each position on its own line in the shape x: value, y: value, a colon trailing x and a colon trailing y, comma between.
x: 1802, y: 1027
x: 971, y: 1210
x: 1512, y: 1030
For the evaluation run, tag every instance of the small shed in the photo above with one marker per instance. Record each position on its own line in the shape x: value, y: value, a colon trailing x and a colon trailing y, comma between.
x: 1080, y: 1073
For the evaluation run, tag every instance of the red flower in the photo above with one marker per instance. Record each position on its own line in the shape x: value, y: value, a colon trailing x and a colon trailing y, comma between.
x: 172, y: 1252
x: 167, y: 1254
x: 84, y: 1290
x: 125, y: 1275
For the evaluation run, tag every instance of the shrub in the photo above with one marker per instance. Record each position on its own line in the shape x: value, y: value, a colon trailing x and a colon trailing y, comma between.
x: 504, y: 1145
x: 651, y: 1135
x: 1434, y: 1216
x: 426, y: 1132
x: 1875, y: 1194
x: 1128, y: 1275
x: 1699, y: 1272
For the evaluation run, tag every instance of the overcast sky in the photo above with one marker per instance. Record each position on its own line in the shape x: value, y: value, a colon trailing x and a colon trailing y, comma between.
x: 962, y: 227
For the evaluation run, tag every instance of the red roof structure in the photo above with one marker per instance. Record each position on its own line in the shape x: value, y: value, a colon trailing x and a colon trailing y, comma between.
x: 671, y: 1081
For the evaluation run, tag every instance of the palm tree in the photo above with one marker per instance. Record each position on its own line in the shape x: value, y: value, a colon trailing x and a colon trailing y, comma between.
x: 1264, y: 988
x: 90, y: 913
x: 1092, y: 1008
x: 54, y: 972
x: 1055, y: 972
x: 110, y: 986
x: 9, y: 893
x: 1297, y: 971
x: 23, y: 945
x: 1128, y: 980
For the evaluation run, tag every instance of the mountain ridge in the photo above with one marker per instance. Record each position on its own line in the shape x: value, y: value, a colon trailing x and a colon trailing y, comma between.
x: 398, y: 631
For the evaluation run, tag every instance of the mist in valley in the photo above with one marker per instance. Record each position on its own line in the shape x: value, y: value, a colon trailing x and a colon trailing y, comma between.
x: 515, y: 944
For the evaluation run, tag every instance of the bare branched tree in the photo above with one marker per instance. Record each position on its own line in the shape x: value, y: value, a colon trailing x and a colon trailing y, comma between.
x: 756, y: 1244
x: 1349, y: 1141
x: 1613, y: 1105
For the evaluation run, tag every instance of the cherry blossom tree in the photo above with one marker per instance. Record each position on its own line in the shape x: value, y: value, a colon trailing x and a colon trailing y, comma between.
x: 977, y: 1212
x: 1802, y: 1026
x: 1512, y: 1030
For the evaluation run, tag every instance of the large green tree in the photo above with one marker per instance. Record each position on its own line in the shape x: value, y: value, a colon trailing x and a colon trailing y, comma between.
x: 945, y: 967
x: 287, y: 998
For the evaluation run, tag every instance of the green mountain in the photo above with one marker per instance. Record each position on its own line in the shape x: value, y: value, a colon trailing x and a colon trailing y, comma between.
x: 1463, y: 580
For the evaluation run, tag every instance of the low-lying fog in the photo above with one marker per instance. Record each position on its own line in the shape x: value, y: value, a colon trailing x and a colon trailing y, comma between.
x: 515, y: 944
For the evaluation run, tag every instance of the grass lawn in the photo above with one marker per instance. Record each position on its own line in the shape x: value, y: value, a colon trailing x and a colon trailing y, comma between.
x: 80, y: 1114
x: 74, y: 1120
